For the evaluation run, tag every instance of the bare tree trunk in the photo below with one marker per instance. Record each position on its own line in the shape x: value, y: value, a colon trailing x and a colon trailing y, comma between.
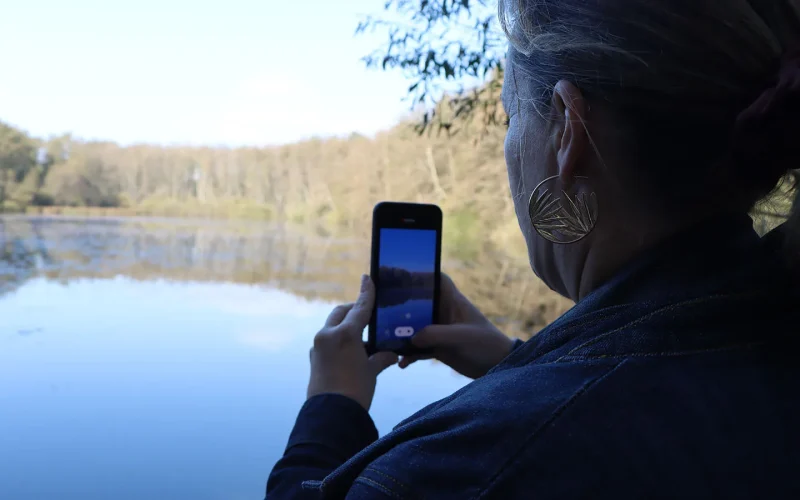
x: 437, y: 186
x: 384, y: 175
x: 329, y: 195
x: 451, y: 162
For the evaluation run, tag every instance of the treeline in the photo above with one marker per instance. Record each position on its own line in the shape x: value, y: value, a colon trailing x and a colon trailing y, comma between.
x: 331, y: 182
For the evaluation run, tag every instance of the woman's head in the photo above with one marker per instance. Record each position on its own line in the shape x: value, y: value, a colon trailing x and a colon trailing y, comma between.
x: 673, y: 110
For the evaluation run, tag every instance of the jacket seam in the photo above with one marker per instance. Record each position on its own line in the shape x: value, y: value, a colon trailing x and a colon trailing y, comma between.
x: 390, y: 478
x: 695, y: 352
x: 311, y: 484
x: 378, y: 486
x: 547, y: 423
x: 524, y: 350
x: 648, y: 316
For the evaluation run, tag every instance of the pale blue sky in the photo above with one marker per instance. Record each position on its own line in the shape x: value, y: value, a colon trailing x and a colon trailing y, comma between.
x: 232, y: 72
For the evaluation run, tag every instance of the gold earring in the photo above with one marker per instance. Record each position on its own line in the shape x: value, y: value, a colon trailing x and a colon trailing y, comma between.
x: 563, y: 218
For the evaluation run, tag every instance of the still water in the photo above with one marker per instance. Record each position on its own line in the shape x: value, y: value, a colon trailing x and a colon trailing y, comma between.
x: 166, y: 359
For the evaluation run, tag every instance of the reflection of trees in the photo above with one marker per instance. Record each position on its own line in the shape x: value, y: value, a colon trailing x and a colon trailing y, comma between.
x: 395, y: 277
x: 20, y: 258
x: 306, y: 264
x: 398, y: 286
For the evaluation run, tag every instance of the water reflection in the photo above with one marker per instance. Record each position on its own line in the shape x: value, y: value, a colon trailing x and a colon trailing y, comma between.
x: 167, y: 359
x: 131, y: 389
x: 310, y: 265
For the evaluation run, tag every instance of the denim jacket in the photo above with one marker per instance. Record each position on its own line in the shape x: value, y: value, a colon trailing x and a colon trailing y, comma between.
x: 676, y: 379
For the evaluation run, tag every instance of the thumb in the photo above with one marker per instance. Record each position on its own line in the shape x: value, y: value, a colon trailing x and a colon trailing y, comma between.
x: 381, y: 361
x: 437, y: 336
x: 358, y: 317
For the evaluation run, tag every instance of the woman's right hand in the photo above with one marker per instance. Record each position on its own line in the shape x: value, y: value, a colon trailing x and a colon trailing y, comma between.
x: 464, y: 339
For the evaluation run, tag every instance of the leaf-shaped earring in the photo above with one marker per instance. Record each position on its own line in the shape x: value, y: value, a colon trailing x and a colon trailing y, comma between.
x: 563, y: 214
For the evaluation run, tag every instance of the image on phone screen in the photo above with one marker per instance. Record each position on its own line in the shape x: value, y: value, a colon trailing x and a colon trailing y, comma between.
x: 406, y: 285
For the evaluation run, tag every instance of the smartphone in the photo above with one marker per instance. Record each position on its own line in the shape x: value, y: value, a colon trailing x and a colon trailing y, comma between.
x: 405, y: 267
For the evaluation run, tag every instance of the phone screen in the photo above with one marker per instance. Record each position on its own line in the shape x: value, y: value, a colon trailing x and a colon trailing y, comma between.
x: 406, y: 285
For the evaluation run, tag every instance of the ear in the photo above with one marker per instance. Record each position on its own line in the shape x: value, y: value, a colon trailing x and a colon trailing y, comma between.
x: 571, y: 139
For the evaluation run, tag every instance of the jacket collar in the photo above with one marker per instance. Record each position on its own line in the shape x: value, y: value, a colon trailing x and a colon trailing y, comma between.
x: 723, y: 257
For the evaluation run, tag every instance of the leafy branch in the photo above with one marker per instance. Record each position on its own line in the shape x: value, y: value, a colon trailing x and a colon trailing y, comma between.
x: 438, y: 44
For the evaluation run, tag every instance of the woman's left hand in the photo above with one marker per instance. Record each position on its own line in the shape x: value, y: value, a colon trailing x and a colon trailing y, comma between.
x: 339, y: 361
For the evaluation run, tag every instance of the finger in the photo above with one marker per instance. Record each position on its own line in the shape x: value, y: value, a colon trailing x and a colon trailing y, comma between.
x: 407, y: 361
x: 447, y: 284
x: 381, y: 361
x: 447, y: 295
x: 358, y: 317
x: 338, y: 314
x: 438, y: 336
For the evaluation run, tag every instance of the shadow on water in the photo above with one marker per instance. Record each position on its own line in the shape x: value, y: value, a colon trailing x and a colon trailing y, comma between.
x: 313, y: 265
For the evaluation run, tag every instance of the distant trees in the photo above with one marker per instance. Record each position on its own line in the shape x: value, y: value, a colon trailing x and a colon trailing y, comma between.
x: 17, y: 160
x: 332, y: 182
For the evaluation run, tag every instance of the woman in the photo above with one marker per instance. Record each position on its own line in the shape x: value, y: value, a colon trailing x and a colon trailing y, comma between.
x: 674, y: 376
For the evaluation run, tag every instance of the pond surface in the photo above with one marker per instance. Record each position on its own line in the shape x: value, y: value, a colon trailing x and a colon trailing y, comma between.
x: 158, y: 359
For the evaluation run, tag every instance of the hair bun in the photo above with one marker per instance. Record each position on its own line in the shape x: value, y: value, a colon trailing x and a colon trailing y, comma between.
x: 766, y: 135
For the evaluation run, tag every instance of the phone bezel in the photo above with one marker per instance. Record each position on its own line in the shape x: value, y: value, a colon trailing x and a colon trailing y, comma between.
x: 388, y: 215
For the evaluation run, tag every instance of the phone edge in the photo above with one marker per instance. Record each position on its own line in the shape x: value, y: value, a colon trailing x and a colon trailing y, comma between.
x: 371, y: 344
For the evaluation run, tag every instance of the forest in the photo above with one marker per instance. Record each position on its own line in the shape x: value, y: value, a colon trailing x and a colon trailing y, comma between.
x: 331, y: 182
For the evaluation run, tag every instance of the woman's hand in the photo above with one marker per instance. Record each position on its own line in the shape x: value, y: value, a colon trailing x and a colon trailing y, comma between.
x: 339, y: 361
x: 465, y: 339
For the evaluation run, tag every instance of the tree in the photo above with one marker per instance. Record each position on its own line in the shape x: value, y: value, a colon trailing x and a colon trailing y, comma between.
x: 83, y: 180
x: 21, y: 194
x: 439, y: 44
x: 16, y: 158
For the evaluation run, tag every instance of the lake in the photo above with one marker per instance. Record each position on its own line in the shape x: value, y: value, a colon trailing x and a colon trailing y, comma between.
x: 167, y: 359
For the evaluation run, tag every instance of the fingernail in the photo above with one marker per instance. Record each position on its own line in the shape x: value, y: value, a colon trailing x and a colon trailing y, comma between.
x: 364, y: 280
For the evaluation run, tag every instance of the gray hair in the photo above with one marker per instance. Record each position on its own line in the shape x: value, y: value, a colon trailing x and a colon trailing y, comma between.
x: 678, y: 72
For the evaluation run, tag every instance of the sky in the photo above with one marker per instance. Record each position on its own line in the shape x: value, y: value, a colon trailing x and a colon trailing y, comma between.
x: 410, y: 249
x: 233, y: 72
